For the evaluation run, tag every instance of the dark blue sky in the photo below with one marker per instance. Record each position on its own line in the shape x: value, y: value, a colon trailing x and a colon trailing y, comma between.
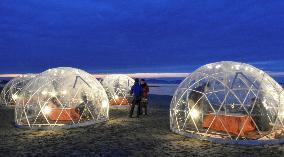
x: 139, y: 35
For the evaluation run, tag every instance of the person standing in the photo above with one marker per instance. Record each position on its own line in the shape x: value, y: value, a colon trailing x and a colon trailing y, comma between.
x: 144, y: 100
x: 136, y: 91
x: 259, y: 115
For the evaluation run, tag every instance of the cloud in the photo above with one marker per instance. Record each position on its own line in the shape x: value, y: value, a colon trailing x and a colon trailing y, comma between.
x: 267, y: 62
x: 10, y: 75
x: 276, y: 74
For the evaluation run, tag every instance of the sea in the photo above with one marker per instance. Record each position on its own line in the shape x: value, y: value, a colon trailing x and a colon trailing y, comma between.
x: 170, y: 87
x: 163, y: 89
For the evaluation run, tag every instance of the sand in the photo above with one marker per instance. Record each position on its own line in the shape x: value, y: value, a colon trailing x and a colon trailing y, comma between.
x: 120, y: 136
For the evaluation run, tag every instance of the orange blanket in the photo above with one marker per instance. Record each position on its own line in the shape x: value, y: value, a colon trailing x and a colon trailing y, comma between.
x: 233, y: 124
x: 119, y: 101
x: 67, y: 114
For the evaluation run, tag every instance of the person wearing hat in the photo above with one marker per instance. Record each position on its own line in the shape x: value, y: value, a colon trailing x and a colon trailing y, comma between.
x: 136, y: 91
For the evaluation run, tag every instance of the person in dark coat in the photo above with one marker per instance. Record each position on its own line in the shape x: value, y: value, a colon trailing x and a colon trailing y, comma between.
x: 197, y: 93
x: 259, y: 115
x: 144, y: 100
x: 136, y: 91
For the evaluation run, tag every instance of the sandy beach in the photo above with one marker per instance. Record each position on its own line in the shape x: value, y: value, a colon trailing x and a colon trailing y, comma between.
x: 120, y: 136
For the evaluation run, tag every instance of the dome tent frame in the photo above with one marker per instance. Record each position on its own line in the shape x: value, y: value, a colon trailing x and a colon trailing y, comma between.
x: 181, y: 114
x: 62, y: 98
x: 10, y: 92
x: 118, y: 88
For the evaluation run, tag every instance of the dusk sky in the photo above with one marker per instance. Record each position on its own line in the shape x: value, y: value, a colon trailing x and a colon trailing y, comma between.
x: 104, y: 36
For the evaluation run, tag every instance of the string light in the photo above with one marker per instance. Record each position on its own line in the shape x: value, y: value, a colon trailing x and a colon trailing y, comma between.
x: 15, y: 97
x: 237, y: 67
x: 194, y: 113
x: 53, y: 94
x: 44, y: 92
x: 104, y: 103
x: 46, y: 110
x: 64, y: 92
x: 116, y: 97
x: 209, y: 66
x: 218, y: 66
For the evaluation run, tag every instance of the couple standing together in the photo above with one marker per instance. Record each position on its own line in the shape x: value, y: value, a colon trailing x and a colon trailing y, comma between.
x: 140, y: 92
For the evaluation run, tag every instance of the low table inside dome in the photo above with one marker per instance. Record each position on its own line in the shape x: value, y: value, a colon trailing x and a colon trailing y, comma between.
x: 119, y: 101
x: 66, y: 114
x: 234, y: 123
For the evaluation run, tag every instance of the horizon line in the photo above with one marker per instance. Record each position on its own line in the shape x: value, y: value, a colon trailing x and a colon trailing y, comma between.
x: 145, y: 75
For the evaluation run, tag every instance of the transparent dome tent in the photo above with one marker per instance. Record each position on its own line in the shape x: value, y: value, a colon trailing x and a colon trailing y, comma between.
x: 229, y: 102
x: 118, y: 87
x: 61, y: 97
x: 9, y: 94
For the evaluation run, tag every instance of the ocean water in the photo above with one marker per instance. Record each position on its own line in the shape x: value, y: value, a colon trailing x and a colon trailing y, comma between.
x: 163, y: 89
x: 169, y: 89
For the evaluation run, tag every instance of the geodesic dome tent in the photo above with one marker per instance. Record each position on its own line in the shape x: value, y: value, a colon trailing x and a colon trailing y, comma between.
x: 229, y: 102
x: 118, y: 88
x: 11, y: 90
x: 62, y: 97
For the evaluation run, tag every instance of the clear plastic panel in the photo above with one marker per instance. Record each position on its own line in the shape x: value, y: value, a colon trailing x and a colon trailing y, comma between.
x: 62, y: 97
x: 229, y: 100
